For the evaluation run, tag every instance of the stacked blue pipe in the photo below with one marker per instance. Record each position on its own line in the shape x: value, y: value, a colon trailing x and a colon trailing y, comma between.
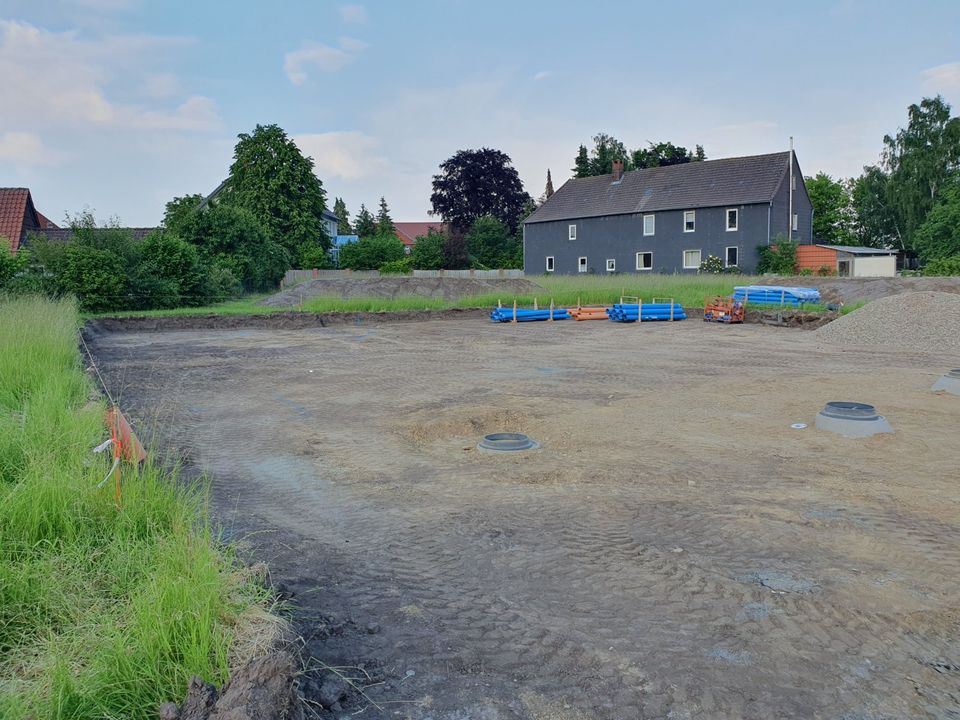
x: 776, y: 295
x: 629, y: 312
x: 505, y: 314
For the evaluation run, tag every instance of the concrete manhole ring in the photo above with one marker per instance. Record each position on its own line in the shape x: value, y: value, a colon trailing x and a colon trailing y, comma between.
x: 507, y: 442
x: 949, y: 382
x: 852, y: 419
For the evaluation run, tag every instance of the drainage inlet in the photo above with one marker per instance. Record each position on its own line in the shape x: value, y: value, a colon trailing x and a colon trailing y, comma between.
x: 852, y: 419
x: 507, y: 442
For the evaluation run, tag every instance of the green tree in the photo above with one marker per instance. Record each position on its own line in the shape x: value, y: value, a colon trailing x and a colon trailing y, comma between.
x: 179, y: 210
x: 490, y: 244
x: 939, y: 236
x: 943, y: 266
x: 699, y: 155
x: 272, y: 179
x: 427, y: 253
x: 474, y: 183
x: 581, y: 164
x: 170, y: 273
x: 384, y: 221
x: 11, y: 263
x: 606, y: 149
x: 664, y: 153
x: 95, y: 276
x: 921, y: 159
x: 343, y: 217
x: 876, y: 222
x: 832, y: 210
x: 365, y: 225
x: 369, y: 253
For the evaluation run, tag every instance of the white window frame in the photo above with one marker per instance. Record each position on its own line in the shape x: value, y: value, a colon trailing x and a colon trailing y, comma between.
x: 736, y: 219
x: 640, y: 264
x: 551, y: 263
x: 796, y: 222
x: 611, y: 264
x: 571, y: 232
x: 699, y: 252
x: 653, y: 225
x: 726, y: 256
x: 582, y: 265
x: 693, y: 214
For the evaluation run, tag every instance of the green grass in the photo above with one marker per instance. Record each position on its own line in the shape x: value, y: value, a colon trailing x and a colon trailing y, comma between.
x: 103, y: 613
x: 247, y: 305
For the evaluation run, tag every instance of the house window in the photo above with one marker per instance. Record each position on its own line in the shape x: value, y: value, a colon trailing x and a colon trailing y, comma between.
x: 691, y: 259
x: 572, y: 232
x: 644, y: 261
x: 649, y: 224
x: 732, y: 258
x: 733, y: 219
x: 582, y: 265
x: 689, y: 220
x: 611, y: 265
x: 793, y: 182
x: 796, y: 221
x: 549, y: 263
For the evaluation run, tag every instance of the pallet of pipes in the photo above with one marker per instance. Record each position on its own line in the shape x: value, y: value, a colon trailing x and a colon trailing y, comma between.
x: 775, y: 295
x: 515, y: 314
x: 588, y: 313
x: 631, y: 312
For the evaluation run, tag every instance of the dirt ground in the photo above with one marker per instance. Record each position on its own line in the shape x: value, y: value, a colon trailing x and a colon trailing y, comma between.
x: 673, y: 550
x: 398, y: 286
x: 852, y: 290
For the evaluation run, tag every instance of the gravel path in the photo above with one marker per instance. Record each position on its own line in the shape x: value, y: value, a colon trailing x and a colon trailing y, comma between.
x: 921, y: 321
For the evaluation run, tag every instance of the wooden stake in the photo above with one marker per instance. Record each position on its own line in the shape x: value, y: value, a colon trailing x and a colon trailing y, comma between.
x: 535, y: 304
x: 514, y: 311
x: 551, y: 309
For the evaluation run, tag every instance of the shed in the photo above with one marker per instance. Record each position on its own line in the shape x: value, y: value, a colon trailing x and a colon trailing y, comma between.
x: 847, y: 260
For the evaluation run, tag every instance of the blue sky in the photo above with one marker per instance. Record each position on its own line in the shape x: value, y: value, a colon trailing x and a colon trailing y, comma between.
x: 118, y: 105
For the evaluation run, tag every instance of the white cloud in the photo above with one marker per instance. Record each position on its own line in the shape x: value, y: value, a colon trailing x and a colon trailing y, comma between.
x: 322, y: 57
x: 542, y: 75
x: 161, y: 85
x: 354, y: 14
x: 59, y: 80
x: 347, y: 155
x: 24, y: 149
x: 944, y: 79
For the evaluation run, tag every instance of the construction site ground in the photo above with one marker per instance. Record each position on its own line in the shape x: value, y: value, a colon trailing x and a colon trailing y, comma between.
x: 674, y: 549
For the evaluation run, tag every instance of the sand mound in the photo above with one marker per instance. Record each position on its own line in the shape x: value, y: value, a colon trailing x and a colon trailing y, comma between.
x: 921, y: 321
x: 390, y: 287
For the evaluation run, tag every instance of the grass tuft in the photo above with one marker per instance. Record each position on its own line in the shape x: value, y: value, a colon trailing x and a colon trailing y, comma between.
x: 102, y: 613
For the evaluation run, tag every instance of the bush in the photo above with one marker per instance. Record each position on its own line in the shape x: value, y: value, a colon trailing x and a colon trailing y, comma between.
x: 711, y: 265
x: 826, y: 271
x: 11, y: 264
x: 943, y: 266
x: 427, y: 251
x: 939, y: 235
x: 370, y: 253
x: 805, y: 272
x: 778, y: 258
x: 490, y: 244
x: 95, y: 276
x: 397, y: 267
x: 222, y: 284
x: 732, y: 270
x: 169, y: 274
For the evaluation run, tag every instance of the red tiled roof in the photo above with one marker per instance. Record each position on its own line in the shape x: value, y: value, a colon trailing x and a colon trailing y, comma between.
x: 408, y: 232
x: 15, y: 203
x: 46, y: 223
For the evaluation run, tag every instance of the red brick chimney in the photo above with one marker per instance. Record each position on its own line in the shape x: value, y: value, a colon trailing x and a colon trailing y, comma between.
x: 617, y: 170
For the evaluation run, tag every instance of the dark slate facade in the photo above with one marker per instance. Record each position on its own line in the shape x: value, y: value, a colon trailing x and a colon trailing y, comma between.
x: 608, y: 218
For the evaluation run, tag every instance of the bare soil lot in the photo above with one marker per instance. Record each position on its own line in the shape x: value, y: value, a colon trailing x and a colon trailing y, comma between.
x: 673, y: 550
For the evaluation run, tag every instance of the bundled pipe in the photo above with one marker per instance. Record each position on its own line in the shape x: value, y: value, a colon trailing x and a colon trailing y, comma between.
x: 509, y: 314
x: 631, y: 312
x: 776, y: 295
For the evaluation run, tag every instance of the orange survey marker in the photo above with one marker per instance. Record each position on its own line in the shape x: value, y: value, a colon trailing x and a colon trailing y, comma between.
x: 126, y: 445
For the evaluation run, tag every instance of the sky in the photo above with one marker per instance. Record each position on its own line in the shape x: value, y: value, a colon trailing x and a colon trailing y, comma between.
x: 117, y: 106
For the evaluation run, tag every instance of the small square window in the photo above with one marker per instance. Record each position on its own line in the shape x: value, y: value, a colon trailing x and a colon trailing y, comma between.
x: 732, y: 258
x: 691, y: 259
x: 644, y: 261
x: 582, y: 265
x: 733, y: 219
x: 649, y: 224
x: 572, y: 232
x: 611, y: 265
x: 689, y: 220
x: 549, y: 263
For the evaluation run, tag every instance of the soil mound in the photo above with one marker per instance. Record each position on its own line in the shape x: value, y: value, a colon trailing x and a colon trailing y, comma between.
x: 921, y: 321
x: 391, y: 287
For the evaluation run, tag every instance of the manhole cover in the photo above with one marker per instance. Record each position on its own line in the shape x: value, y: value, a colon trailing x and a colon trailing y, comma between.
x: 852, y: 419
x: 507, y: 442
x: 950, y: 382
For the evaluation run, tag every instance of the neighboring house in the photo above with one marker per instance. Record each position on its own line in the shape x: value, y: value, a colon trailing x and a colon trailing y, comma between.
x: 408, y: 232
x: 669, y: 219
x: 338, y: 242
x: 19, y: 218
x: 848, y: 261
x: 329, y: 219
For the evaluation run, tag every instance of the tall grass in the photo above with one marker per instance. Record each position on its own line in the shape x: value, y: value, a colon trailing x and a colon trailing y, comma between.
x: 103, y: 613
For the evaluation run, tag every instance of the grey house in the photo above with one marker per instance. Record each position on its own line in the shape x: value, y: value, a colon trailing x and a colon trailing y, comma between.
x: 669, y: 219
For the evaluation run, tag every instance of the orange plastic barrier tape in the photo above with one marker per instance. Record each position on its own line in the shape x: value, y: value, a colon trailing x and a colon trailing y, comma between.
x: 130, y: 448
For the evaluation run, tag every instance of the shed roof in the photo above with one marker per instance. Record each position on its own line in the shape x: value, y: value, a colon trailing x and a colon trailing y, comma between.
x: 710, y: 183
x: 856, y: 250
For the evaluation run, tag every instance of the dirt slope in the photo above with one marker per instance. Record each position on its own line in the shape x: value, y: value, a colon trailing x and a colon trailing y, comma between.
x: 390, y: 287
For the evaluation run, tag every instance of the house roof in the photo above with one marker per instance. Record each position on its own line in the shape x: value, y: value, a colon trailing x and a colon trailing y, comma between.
x: 13, y: 207
x: 46, y: 223
x: 408, y: 232
x: 709, y: 183
x: 857, y: 250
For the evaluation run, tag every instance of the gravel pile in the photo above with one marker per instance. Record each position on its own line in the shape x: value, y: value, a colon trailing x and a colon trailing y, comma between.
x: 921, y: 321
